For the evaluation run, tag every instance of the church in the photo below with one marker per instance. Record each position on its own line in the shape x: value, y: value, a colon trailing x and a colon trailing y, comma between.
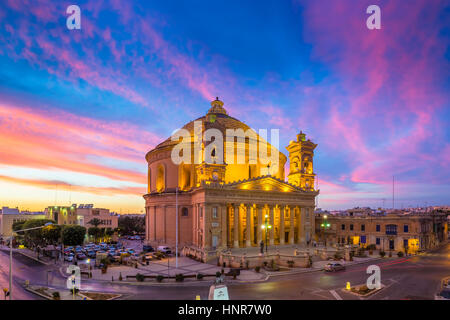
x: 223, y: 203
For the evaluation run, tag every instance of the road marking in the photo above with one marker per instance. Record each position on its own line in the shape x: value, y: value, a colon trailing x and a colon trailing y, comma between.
x: 334, y: 293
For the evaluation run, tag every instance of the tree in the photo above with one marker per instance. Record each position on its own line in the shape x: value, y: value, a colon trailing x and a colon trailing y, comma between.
x: 94, y: 231
x: 73, y: 235
x: 95, y: 222
x: 131, y: 225
x: 39, y: 236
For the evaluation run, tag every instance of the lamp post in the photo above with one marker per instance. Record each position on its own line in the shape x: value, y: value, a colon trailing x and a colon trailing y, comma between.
x: 266, y: 226
x: 323, y: 227
x: 10, y: 253
x: 176, y: 227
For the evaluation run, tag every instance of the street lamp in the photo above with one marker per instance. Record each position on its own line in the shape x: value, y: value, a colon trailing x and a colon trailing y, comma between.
x: 266, y: 226
x: 10, y: 253
x: 323, y: 226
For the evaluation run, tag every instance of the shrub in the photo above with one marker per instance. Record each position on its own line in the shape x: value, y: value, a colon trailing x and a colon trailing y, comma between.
x: 290, y: 263
x: 222, y: 271
x: 56, y: 295
x: 120, y: 276
x: 199, y: 276
x: 382, y: 254
x: 400, y: 254
x: 159, y: 278
x: 337, y: 256
x: 179, y: 277
x: 140, y: 277
x: 257, y: 268
x: 390, y: 254
x: 218, y: 274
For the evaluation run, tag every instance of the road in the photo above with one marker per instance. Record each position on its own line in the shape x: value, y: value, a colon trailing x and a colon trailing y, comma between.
x: 415, y: 277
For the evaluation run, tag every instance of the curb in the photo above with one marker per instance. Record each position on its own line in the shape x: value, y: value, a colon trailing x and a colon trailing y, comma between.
x: 37, y: 293
x: 33, y: 258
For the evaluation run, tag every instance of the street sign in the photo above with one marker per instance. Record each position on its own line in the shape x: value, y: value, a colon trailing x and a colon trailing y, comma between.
x: 218, y: 292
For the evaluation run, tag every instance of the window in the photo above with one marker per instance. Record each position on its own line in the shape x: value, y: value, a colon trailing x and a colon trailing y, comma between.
x: 201, y: 212
x: 405, y: 228
x: 343, y: 227
x: 377, y: 241
x: 184, y: 212
x: 363, y: 227
x: 351, y: 227
x: 378, y: 228
x: 391, y: 229
x: 214, y: 212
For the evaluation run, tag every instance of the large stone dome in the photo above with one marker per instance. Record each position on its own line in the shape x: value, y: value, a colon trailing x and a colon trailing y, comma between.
x: 216, y: 117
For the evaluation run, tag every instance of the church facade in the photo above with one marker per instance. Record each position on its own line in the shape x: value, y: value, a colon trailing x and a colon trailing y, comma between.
x: 222, y: 202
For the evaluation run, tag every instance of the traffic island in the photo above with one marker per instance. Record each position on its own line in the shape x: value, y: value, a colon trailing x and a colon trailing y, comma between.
x: 50, y: 293
x: 362, y: 290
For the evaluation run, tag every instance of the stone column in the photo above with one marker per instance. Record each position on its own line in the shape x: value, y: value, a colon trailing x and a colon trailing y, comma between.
x: 282, y: 208
x: 291, y: 227
x: 224, y: 225
x: 299, y: 224
x: 194, y: 224
x: 302, y: 229
x: 271, y: 233
x: 165, y: 222
x: 260, y: 222
x: 252, y: 224
x: 248, y: 226
x: 236, y: 226
x: 312, y: 220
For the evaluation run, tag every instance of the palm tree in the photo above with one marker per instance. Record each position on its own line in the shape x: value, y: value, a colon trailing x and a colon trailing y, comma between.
x: 95, y: 222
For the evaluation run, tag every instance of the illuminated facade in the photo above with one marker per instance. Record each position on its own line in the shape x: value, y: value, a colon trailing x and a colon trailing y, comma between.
x: 394, y: 231
x: 224, y: 203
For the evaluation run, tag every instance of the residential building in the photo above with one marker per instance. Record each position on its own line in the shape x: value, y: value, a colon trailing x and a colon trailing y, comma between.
x: 395, y: 231
x: 10, y: 215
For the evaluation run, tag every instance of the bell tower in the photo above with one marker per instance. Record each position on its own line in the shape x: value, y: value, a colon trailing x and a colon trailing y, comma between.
x: 212, y: 166
x: 301, y: 154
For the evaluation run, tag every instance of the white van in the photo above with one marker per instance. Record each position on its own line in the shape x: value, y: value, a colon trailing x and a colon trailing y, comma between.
x: 164, y: 249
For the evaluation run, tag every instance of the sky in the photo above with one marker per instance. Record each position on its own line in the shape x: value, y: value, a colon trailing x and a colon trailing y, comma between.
x: 79, y: 109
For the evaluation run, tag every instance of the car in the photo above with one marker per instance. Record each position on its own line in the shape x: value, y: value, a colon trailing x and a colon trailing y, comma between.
x: 164, y: 249
x: 443, y: 295
x: 68, y: 258
x: 81, y: 256
x: 129, y: 250
x: 333, y: 267
x: 91, y: 254
x: 147, y: 248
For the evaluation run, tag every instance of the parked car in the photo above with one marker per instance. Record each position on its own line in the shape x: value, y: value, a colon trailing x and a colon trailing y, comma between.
x: 443, y: 295
x: 332, y: 267
x: 147, y: 248
x: 164, y: 249
x: 91, y: 254
x: 81, y: 256
x: 69, y: 258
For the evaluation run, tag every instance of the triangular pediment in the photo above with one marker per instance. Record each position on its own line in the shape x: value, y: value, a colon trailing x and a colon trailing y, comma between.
x: 266, y: 183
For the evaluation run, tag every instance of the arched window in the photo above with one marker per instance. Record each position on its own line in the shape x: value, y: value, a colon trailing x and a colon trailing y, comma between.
x: 161, y: 179
x: 184, y: 176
